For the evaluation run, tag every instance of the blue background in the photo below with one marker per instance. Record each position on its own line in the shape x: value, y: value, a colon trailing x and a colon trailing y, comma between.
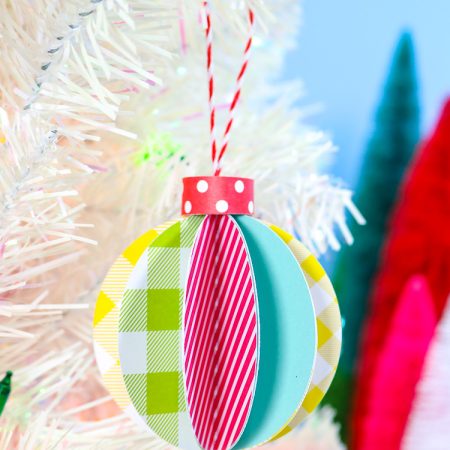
x: 343, y: 55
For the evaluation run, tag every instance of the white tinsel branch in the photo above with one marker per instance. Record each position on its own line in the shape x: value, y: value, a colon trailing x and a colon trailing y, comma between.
x: 318, y: 433
x: 97, y: 53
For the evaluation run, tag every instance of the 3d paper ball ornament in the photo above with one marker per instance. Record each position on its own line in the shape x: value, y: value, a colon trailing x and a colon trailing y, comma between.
x: 217, y: 331
x: 226, y: 329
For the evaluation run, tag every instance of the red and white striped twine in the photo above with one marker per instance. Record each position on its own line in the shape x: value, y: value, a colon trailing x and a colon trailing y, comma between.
x: 218, y: 155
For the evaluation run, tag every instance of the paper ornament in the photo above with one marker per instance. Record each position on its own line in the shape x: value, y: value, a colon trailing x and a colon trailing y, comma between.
x: 217, y: 330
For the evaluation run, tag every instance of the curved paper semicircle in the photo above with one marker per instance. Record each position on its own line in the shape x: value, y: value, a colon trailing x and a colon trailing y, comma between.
x: 329, y: 328
x: 288, y: 334
x: 220, y: 334
x: 150, y: 334
x: 106, y: 318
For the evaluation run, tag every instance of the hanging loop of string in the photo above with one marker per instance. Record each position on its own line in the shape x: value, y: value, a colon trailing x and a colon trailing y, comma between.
x: 217, y: 154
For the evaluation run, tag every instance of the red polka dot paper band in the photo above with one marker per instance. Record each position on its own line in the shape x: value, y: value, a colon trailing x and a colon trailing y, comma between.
x: 217, y: 195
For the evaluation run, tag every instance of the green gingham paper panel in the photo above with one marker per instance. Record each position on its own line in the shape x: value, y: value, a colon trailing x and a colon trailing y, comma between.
x: 150, y: 334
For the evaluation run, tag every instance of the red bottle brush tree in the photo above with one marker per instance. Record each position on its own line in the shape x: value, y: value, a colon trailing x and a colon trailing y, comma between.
x: 419, y: 242
x: 429, y: 419
x: 399, y: 368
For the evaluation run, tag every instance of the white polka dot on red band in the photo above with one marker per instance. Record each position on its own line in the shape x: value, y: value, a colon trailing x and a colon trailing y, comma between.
x: 251, y: 207
x: 202, y: 186
x: 239, y: 186
x: 187, y: 207
x: 222, y: 206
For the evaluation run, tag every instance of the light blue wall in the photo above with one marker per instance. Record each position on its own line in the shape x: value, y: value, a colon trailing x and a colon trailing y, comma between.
x: 344, y: 50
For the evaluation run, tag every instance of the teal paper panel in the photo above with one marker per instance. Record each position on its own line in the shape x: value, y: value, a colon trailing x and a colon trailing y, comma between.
x: 287, y: 333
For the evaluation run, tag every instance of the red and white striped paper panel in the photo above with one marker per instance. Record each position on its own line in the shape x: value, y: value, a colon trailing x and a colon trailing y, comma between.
x: 220, y: 334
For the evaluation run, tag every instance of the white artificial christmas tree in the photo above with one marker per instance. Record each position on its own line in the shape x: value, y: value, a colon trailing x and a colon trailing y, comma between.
x: 103, y: 111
